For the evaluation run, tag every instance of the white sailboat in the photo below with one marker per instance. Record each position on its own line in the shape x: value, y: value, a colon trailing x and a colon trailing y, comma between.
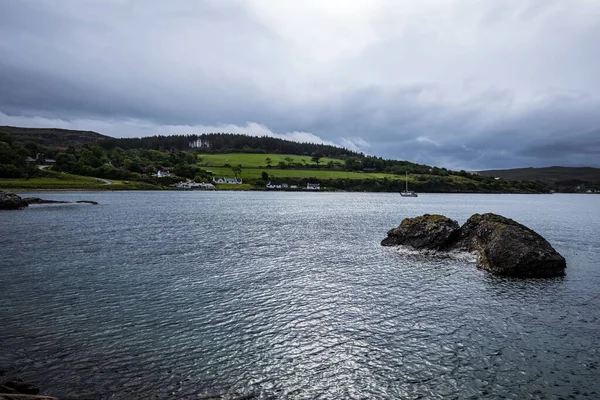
x: 406, y: 192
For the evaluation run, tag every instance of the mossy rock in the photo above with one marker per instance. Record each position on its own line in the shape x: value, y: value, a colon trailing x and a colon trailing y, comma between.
x: 423, y: 232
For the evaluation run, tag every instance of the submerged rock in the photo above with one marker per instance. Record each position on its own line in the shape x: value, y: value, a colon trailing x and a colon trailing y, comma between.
x: 431, y: 232
x: 10, y: 201
x: 37, y: 200
x: 95, y: 203
x: 504, y: 246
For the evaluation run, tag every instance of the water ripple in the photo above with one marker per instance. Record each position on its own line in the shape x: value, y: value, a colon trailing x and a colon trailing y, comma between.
x: 290, y: 296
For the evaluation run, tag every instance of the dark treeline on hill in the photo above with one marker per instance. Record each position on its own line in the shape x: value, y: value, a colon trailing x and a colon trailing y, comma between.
x: 51, y: 136
x: 228, y: 143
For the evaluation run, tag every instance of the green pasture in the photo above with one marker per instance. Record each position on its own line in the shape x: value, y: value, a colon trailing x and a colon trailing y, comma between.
x: 255, y: 173
x: 258, y: 160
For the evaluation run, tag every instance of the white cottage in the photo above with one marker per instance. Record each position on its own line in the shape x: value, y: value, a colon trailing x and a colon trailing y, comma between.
x: 230, y: 181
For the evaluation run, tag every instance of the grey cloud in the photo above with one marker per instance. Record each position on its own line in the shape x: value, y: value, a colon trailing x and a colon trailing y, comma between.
x: 499, y: 84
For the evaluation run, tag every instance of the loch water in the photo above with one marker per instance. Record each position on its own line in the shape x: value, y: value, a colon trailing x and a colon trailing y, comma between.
x: 256, y: 295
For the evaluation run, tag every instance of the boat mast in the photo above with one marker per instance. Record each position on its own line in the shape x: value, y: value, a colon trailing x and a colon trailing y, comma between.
x: 406, y: 190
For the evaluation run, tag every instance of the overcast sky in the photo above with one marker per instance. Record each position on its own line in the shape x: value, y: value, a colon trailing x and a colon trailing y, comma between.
x: 454, y: 83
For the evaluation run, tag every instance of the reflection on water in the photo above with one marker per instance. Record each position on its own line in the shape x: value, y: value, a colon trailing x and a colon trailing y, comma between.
x: 289, y: 295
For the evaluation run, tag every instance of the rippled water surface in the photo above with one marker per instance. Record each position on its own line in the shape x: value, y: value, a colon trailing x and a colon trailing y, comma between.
x: 154, y: 295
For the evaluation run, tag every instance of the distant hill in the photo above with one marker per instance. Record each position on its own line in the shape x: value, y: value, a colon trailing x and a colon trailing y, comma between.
x: 203, y: 143
x: 53, y: 137
x: 556, y: 176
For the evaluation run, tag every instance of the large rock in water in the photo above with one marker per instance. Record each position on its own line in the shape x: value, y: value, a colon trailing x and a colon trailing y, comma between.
x: 10, y: 201
x: 505, y: 247
x: 432, y: 232
x: 508, y: 248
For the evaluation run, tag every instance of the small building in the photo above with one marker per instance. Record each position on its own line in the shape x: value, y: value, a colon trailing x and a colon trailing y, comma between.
x: 48, y: 161
x: 189, y: 185
x: 275, y: 185
x: 228, y: 181
x: 313, y: 186
x: 162, y: 174
x: 31, y: 159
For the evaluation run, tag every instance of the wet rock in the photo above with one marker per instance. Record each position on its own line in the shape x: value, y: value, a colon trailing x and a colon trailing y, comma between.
x: 10, y: 201
x: 88, y: 202
x: 17, y: 389
x: 37, y: 200
x: 431, y: 232
x: 508, y: 248
x: 504, y: 246
x: 18, y: 386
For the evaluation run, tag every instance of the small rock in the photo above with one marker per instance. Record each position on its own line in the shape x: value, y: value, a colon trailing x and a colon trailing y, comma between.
x: 88, y: 202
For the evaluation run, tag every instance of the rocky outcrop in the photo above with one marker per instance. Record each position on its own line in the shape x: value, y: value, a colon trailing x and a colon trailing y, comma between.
x: 10, y: 201
x: 504, y: 246
x: 431, y: 232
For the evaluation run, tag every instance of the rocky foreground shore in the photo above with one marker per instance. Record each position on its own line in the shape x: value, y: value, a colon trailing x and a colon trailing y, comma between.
x: 11, y: 201
x: 16, y: 389
x: 505, y: 247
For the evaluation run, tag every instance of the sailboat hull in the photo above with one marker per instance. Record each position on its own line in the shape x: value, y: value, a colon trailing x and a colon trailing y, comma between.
x: 408, y: 194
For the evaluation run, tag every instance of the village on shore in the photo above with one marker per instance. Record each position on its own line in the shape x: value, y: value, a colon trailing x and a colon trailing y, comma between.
x: 190, y: 185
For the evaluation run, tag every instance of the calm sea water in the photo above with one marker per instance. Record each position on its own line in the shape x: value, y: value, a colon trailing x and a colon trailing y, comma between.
x: 155, y: 295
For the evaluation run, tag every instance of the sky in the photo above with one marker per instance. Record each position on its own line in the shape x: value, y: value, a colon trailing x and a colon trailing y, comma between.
x: 460, y: 84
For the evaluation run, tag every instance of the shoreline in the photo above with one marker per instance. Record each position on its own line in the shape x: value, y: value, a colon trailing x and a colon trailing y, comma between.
x: 97, y: 190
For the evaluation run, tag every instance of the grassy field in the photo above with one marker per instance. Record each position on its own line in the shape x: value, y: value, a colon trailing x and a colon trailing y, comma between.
x: 69, y: 181
x: 304, y: 173
x: 244, y: 186
x: 257, y: 160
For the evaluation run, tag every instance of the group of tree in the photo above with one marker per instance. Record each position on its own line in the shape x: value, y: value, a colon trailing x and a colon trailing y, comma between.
x: 228, y: 143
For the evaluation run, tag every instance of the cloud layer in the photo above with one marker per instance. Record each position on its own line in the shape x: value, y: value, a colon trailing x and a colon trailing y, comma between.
x: 460, y: 84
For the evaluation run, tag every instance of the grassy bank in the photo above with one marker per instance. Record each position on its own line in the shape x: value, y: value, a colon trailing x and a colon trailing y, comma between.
x: 58, y: 181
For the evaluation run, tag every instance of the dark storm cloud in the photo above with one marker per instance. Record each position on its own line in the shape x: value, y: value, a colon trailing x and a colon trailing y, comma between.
x: 487, y: 85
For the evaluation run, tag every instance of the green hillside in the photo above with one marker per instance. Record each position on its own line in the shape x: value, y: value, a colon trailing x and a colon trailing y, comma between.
x: 252, y: 160
x: 57, y: 181
x: 38, y: 159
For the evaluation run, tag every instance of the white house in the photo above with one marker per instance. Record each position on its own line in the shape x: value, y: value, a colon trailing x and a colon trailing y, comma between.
x: 313, y: 186
x: 162, y: 174
x: 274, y: 185
x: 230, y: 181
x: 193, y: 185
